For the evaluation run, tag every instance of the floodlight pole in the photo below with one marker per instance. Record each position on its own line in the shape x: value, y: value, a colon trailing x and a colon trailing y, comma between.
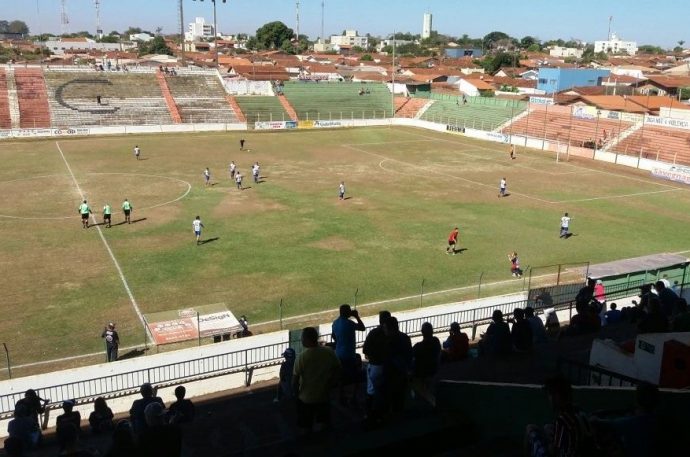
x: 215, y: 34
x: 393, y: 80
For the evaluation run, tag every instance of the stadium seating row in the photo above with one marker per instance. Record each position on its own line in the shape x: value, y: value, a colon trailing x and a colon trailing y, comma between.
x: 328, y: 100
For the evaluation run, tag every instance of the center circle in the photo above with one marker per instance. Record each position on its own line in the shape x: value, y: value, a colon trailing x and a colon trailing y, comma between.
x: 54, y: 197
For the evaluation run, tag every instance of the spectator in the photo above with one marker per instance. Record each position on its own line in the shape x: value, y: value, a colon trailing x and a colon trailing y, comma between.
x: 101, y: 418
x: 613, y: 316
x: 23, y: 428
x: 655, y: 321
x: 112, y: 339
x: 681, y: 323
x: 344, y: 333
x: 586, y: 294
x: 182, y: 410
x: 376, y: 352
x: 570, y: 435
x: 14, y: 447
x: 397, y: 365
x: 667, y: 298
x: 600, y: 300
x: 521, y: 333
x: 426, y: 356
x: 285, y: 376
x: 158, y: 438
x: 136, y: 412
x: 456, y: 346
x: 537, y: 326
x: 69, y: 416
x: 123, y: 444
x: 317, y: 371
x: 584, y: 322
x: 497, y: 339
x: 68, y: 439
x: 35, y: 405
x: 553, y: 325
x: 676, y: 288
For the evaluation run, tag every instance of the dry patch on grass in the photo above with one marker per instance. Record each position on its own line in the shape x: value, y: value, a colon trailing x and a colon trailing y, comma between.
x: 334, y: 243
x: 245, y: 202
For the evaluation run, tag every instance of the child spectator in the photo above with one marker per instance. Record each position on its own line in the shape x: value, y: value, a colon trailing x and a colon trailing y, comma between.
x: 613, y: 316
x: 182, y: 410
x: 101, y: 418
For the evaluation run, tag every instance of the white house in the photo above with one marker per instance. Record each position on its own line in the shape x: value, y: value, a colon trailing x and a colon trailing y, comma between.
x: 199, y: 29
x: 81, y: 44
x: 351, y: 38
x: 383, y: 43
x: 616, y: 46
x: 140, y: 37
x: 562, y: 52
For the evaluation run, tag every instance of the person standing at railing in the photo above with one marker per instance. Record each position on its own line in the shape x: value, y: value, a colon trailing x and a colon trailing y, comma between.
x: 344, y: 333
x: 375, y: 350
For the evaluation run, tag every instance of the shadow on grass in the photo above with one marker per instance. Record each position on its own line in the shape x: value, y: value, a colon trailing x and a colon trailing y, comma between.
x: 132, y: 354
x: 138, y: 220
x: 210, y: 240
x: 459, y: 251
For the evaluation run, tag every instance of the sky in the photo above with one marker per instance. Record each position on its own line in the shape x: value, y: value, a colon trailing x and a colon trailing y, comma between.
x: 658, y: 22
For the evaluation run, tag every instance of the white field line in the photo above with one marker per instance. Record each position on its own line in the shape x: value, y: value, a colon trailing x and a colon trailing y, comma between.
x: 476, y: 183
x: 107, y: 246
x: 619, y: 196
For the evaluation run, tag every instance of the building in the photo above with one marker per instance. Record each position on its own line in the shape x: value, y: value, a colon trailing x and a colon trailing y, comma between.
x: 351, y: 38
x: 456, y: 53
x: 560, y: 51
x: 616, y: 46
x: 82, y: 45
x: 199, y: 29
x: 384, y: 43
x: 145, y: 37
x: 553, y: 80
x: 426, y: 26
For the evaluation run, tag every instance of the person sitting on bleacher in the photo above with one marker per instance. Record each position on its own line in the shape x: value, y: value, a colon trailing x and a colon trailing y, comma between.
x: 456, y: 346
x: 613, y: 316
x: 655, y: 321
x: 181, y: 411
x: 497, y: 339
x: 681, y: 323
x: 159, y: 438
x: 69, y: 416
x: 586, y: 321
x: 537, y: 326
x: 521, y: 333
x: 136, y: 412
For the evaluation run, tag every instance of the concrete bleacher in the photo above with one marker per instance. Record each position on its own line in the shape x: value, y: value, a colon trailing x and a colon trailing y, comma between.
x: 32, y: 98
x: 126, y: 98
x: 334, y: 100
x: 561, y: 126
x: 5, y: 119
x: 201, y: 99
x: 262, y: 108
x: 658, y: 143
x: 485, y: 115
x: 408, y: 107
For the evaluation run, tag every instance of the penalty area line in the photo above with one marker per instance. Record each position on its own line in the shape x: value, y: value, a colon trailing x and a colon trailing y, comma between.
x: 132, y: 300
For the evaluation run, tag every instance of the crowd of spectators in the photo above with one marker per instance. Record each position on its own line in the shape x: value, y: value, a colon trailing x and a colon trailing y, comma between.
x: 150, y: 429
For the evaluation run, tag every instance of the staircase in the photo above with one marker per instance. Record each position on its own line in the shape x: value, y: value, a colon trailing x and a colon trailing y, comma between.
x: 408, y: 107
x: 423, y: 109
x: 236, y: 108
x: 32, y: 98
x: 288, y: 107
x: 618, y: 139
x: 169, y: 100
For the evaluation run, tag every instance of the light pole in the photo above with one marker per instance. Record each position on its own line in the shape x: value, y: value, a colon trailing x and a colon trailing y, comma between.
x: 596, y: 131
x: 215, y: 31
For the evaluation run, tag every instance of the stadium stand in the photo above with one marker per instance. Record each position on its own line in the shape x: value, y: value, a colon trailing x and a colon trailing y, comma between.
x: 5, y: 119
x: 200, y: 98
x: 262, y: 108
x: 668, y: 144
x: 478, y: 114
x: 559, y: 126
x: 288, y: 107
x: 126, y: 99
x: 328, y: 100
x: 32, y: 96
x: 408, y: 107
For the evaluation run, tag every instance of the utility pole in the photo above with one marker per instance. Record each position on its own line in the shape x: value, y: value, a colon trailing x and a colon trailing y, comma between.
x: 609, y: 35
x: 64, y: 19
x: 393, y: 80
x: 181, y: 26
x: 323, y: 12
x: 99, y: 30
x: 297, y: 32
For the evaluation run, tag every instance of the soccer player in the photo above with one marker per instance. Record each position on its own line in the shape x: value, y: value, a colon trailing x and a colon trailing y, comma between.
x: 127, y: 208
x: 238, y: 180
x: 452, y: 241
x: 512, y: 151
x: 341, y: 190
x: 85, y: 211
x: 502, y: 188
x: 207, y: 176
x: 565, y: 224
x: 107, y: 213
x: 515, y: 265
x: 241, y: 144
x: 137, y: 152
x: 197, y: 225
x: 233, y: 168
x: 255, y: 172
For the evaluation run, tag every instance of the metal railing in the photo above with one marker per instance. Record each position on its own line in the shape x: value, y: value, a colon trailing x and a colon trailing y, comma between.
x: 583, y: 374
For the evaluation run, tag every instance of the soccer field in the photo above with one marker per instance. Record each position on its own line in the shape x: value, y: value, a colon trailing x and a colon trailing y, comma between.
x: 289, y: 237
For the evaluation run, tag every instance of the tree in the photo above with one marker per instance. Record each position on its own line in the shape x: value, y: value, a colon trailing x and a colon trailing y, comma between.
x: 491, y: 64
x: 534, y: 48
x: 681, y: 43
x: 528, y: 41
x: 132, y: 31
x: 155, y: 46
x: 109, y: 39
x: 252, y: 43
x: 14, y: 27
x: 357, y: 49
x: 493, y: 37
x: 366, y: 58
x: 273, y: 34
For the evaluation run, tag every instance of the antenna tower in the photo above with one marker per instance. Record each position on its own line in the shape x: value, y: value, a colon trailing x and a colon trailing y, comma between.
x: 99, y: 30
x: 64, y: 19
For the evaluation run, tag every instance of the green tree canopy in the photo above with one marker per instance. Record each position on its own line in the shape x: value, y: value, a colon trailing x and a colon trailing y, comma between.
x: 491, y: 38
x: 155, y: 46
x: 14, y: 27
x: 273, y: 35
x: 528, y: 41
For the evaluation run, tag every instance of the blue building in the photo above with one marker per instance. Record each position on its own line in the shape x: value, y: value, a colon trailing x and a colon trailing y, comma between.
x: 557, y: 79
x: 456, y: 53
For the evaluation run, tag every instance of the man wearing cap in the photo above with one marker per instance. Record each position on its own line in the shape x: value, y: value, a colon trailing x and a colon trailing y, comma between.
x: 285, y: 376
x: 69, y: 416
x: 112, y: 341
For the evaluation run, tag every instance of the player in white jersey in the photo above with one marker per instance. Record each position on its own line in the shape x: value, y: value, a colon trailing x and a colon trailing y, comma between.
x: 238, y: 180
x: 232, y: 169
x: 502, y: 188
x: 565, y: 225
x: 207, y: 176
x: 197, y: 225
x: 341, y: 190
x: 255, y: 172
x: 137, y: 152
